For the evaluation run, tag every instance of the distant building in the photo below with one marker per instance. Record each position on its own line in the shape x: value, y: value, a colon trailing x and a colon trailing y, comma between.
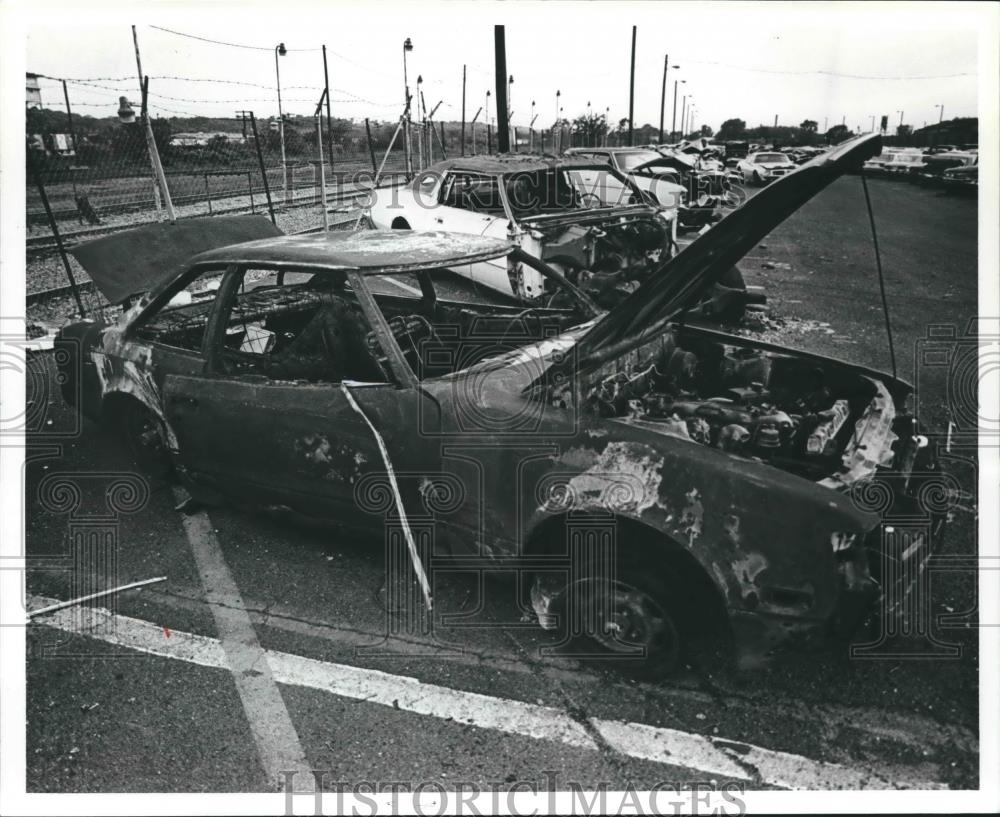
x: 958, y: 132
x: 33, y: 91
x: 201, y: 139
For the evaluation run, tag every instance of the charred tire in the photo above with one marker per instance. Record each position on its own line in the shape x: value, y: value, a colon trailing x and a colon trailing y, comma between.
x: 400, y: 223
x: 144, y: 437
x: 639, y: 621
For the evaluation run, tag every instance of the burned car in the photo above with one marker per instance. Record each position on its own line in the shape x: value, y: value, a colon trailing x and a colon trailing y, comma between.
x: 580, y: 216
x: 676, y: 178
x: 642, y: 474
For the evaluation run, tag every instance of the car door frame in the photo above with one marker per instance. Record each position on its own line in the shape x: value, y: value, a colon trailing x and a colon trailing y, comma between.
x: 332, y: 449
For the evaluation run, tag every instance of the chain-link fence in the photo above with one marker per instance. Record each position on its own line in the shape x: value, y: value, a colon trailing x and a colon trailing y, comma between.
x: 90, y: 155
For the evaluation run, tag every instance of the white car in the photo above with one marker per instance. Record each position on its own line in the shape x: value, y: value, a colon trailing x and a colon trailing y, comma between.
x: 582, y: 217
x: 762, y: 167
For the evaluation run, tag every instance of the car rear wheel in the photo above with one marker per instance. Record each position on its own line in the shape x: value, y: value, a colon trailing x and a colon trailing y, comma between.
x: 400, y: 223
x: 756, y: 178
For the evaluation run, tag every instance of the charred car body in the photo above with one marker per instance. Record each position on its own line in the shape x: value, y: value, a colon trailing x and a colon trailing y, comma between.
x: 674, y: 179
x: 731, y: 478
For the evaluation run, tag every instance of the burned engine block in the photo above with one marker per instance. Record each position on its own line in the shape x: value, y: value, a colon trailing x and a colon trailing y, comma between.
x: 744, y: 401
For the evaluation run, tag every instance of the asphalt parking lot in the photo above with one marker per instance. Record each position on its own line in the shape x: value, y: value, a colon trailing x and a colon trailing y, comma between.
x: 247, y: 661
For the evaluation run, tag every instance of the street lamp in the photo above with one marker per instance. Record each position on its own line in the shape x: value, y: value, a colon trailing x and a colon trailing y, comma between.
x: 673, y: 119
x: 607, y: 124
x: 941, y: 114
x: 900, y: 118
x: 510, y: 100
x: 408, y: 150
x: 280, y: 50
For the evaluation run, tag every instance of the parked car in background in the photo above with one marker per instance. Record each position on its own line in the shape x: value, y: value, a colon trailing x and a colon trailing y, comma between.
x: 962, y: 177
x: 577, y: 214
x: 762, y: 167
x: 735, y: 150
x: 904, y: 163
x: 932, y: 170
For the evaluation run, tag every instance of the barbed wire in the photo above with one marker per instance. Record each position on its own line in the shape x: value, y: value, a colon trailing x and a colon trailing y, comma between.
x: 230, y: 45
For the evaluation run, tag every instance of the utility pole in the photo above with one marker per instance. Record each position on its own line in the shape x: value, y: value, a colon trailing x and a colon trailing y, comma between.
x: 473, y: 124
x: 329, y: 117
x: 154, y: 154
x: 663, y: 93
x: 463, y: 110
x: 673, y: 119
x: 500, y: 56
x: 825, y: 120
x: 631, y: 91
x: 407, y: 120
x: 941, y: 115
x: 683, y: 114
x: 69, y: 117
x: 280, y: 50
x: 776, y: 120
x: 900, y: 119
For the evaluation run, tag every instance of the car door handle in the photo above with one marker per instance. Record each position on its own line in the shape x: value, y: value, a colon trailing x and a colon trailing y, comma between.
x: 439, y: 220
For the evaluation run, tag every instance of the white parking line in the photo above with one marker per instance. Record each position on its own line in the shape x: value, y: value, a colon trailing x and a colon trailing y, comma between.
x: 277, y: 741
x: 735, y: 760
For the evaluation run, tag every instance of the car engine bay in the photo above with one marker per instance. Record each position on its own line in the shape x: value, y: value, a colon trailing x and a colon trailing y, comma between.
x: 819, y: 422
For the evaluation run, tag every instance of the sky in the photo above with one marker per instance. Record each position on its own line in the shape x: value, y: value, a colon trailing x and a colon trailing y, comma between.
x: 752, y: 60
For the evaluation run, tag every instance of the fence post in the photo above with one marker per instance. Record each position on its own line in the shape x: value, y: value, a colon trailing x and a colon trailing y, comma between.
x: 208, y: 195
x: 55, y: 229
x: 371, y: 146
x: 263, y: 170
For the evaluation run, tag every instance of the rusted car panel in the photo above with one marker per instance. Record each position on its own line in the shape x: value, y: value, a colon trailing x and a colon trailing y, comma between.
x: 735, y: 464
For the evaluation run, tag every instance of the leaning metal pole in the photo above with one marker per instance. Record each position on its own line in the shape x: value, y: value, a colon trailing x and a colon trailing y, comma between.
x: 33, y: 169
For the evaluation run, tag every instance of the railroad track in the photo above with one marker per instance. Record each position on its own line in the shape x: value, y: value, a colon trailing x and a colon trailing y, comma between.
x: 88, y: 285
x: 37, y: 246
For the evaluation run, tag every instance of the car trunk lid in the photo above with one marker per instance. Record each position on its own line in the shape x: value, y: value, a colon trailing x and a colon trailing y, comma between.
x: 136, y: 261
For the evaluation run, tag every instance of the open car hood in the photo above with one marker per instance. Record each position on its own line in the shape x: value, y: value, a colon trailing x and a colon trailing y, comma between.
x: 685, y: 279
x: 136, y: 261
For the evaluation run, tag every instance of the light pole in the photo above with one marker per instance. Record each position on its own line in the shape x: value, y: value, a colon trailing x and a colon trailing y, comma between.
x: 556, y: 146
x: 407, y: 46
x: 683, y: 113
x: 590, y: 126
x: 872, y: 127
x: 423, y: 124
x: 607, y: 124
x: 510, y: 102
x: 673, y: 119
x: 941, y: 114
x: 900, y: 118
x: 531, y: 129
x: 280, y: 50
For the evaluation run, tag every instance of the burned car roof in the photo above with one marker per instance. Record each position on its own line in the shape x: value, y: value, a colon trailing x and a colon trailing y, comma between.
x: 369, y: 252
x: 507, y: 163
